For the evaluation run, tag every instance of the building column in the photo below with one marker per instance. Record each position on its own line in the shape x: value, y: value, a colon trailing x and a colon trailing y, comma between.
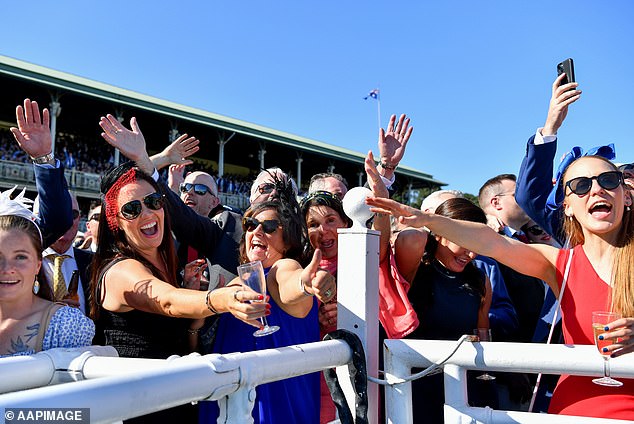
x: 361, y: 175
x: 331, y: 168
x: 221, y: 153
x: 261, y: 154
x: 55, y: 109
x: 299, y: 161
x: 173, y: 134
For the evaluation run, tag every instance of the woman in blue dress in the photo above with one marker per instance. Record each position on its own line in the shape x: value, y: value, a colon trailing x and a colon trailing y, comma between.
x: 275, y: 234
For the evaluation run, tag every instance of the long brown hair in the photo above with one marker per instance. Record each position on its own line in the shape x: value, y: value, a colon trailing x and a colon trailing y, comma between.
x: 113, y: 244
x: 622, y: 293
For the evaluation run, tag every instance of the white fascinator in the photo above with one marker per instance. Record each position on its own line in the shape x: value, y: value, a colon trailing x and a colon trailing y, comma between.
x: 19, y: 205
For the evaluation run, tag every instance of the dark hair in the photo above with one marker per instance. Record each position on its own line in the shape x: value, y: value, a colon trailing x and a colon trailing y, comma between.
x: 464, y: 210
x: 295, y: 233
x: 324, y: 198
x: 113, y: 244
x: 29, y: 228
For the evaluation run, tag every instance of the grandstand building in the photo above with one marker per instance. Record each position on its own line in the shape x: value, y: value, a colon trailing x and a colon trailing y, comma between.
x: 229, y: 147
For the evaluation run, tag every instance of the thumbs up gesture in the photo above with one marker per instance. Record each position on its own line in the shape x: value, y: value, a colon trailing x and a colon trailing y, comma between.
x: 318, y: 282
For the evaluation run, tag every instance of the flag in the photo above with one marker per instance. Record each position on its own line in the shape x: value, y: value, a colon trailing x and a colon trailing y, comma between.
x: 372, y: 94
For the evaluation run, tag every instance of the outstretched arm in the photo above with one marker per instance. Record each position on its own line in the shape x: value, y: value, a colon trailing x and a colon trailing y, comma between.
x: 33, y: 135
x: 535, y: 260
x: 177, y: 152
x: 130, y: 142
x: 381, y: 221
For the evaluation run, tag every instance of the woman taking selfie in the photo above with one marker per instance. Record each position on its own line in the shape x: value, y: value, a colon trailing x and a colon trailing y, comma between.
x: 599, y: 224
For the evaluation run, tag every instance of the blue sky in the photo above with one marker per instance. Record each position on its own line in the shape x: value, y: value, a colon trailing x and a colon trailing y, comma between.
x: 475, y: 76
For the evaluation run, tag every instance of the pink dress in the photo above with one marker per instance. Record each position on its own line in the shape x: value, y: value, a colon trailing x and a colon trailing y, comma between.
x: 584, y: 293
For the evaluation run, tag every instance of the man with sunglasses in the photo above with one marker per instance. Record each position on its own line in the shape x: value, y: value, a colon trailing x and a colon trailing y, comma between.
x: 263, y: 187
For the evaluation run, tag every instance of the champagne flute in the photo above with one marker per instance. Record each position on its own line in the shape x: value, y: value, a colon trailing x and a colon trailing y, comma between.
x: 599, y: 320
x: 484, y: 335
x: 252, y: 275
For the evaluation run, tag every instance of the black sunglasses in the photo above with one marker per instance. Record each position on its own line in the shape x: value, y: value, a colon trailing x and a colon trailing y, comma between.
x: 535, y: 230
x: 95, y: 217
x: 75, y: 214
x: 266, y: 188
x: 132, y: 209
x: 199, y: 189
x: 269, y: 226
x: 607, y: 180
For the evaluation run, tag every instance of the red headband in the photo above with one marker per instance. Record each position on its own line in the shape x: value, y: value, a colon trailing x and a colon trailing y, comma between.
x: 112, y: 196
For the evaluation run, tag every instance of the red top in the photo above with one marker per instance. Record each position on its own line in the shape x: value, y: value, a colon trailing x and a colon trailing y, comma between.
x: 584, y: 293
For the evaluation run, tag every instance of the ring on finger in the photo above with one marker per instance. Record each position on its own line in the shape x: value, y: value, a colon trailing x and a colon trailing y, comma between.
x: 328, y: 292
x: 235, y: 295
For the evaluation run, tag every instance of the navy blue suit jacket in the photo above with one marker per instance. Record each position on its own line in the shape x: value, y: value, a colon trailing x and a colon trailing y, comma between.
x: 55, y: 209
x: 534, y: 183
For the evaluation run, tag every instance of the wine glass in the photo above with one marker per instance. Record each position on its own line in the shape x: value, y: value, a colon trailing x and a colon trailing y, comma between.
x: 484, y: 335
x: 599, y: 320
x: 252, y: 275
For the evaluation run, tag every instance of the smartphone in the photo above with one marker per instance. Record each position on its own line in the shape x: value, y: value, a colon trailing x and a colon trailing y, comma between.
x: 567, y: 67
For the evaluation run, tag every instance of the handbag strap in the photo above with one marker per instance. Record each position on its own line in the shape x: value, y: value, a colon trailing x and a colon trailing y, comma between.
x: 44, y: 322
x: 552, y: 324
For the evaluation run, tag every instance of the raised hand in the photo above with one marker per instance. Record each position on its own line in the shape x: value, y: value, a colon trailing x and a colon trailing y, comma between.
x: 392, y: 142
x: 33, y: 133
x: 130, y: 142
x: 318, y: 281
x: 175, y: 177
x: 562, y: 97
x: 193, y: 273
x: 177, y: 152
x: 374, y: 179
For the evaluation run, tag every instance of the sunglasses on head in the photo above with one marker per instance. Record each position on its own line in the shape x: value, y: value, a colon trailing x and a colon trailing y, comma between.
x: 266, y: 188
x: 626, y: 167
x: 132, y: 209
x: 95, y: 217
x: 607, y: 180
x: 269, y: 226
x: 75, y: 214
x: 199, y: 189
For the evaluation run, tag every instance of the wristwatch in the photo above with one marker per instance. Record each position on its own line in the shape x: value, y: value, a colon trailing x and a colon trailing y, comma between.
x: 41, y: 160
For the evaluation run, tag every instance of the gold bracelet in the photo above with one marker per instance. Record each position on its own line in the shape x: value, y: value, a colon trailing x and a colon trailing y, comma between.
x: 209, y: 305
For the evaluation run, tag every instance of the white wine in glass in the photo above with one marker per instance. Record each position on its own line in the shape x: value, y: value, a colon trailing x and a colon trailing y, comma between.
x: 599, y: 320
x: 252, y: 275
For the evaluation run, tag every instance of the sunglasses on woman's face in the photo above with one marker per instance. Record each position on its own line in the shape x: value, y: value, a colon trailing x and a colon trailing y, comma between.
x: 199, y: 189
x: 607, y: 180
x: 132, y: 209
x: 269, y: 226
x: 535, y: 230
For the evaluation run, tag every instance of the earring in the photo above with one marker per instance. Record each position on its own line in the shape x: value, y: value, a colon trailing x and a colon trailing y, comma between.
x: 36, y: 286
x: 627, y: 208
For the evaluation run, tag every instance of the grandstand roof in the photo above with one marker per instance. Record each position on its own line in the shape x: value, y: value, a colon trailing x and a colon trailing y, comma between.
x: 280, y: 145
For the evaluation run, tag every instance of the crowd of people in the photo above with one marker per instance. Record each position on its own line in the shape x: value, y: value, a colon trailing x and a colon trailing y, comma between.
x: 158, y: 276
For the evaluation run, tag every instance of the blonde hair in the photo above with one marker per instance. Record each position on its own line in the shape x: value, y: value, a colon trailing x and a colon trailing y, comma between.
x: 622, y: 293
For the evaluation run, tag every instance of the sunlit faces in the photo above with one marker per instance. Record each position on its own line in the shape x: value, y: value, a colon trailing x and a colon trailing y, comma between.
x: 19, y: 264
x: 146, y: 230
x: 264, y: 247
x: 335, y: 187
x: 322, y: 222
x: 452, y: 256
x: 203, y: 203
x: 600, y: 210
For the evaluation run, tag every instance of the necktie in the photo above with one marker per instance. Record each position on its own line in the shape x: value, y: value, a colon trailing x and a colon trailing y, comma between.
x: 59, y: 284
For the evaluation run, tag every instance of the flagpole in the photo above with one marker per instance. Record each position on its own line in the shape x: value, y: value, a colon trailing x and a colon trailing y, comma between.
x: 378, y: 107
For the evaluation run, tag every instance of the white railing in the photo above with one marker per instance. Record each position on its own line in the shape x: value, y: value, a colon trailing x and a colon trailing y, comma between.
x: 402, y: 355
